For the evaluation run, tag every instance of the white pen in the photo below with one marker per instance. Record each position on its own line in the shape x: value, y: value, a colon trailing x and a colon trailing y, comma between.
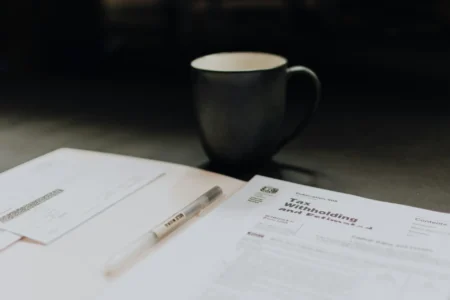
x: 149, y: 239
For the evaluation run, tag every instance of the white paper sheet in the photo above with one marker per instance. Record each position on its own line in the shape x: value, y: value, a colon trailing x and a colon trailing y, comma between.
x: 278, y: 240
x: 7, y: 238
x: 47, y: 197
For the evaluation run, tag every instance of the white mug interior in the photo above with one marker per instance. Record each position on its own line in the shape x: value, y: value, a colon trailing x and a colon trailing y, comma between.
x: 238, y: 62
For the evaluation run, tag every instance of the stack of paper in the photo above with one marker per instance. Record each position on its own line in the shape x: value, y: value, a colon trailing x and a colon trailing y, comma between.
x: 47, y: 197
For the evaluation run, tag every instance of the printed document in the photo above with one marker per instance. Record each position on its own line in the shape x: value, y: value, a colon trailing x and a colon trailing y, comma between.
x: 47, y: 197
x: 277, y: 240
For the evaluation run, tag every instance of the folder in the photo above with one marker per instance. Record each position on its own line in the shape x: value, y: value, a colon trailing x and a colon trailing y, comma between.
x: 72, y: 266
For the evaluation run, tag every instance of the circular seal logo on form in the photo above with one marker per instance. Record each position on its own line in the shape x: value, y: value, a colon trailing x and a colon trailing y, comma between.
x: 269, y: 190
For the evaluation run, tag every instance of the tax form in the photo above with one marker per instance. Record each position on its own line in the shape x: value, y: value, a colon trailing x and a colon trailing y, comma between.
x: 47, y: 197
x: 277, y: 240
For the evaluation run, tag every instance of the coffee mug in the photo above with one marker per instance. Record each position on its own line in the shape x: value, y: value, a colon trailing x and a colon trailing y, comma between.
x: 240, y: 105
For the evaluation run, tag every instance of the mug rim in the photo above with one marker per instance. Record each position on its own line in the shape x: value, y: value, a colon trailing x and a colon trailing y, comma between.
x: 277, y: 61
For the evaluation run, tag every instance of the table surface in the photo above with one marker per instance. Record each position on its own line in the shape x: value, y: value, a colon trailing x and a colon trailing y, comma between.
x: 397, y: 156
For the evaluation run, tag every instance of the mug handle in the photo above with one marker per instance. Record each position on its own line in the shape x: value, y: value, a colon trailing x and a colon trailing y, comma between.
x: 303, y: 123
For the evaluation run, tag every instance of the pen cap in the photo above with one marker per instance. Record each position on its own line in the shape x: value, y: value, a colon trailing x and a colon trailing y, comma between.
x: 213, y: 193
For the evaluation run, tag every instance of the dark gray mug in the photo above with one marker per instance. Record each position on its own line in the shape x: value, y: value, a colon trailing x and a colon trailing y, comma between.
x: 240, y: 103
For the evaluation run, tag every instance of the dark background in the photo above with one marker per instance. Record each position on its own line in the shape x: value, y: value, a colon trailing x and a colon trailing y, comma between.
x: 375, y: 45
x: 114, y: 76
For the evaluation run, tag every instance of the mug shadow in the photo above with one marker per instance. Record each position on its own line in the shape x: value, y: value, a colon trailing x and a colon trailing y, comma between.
x: 272, y: 169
